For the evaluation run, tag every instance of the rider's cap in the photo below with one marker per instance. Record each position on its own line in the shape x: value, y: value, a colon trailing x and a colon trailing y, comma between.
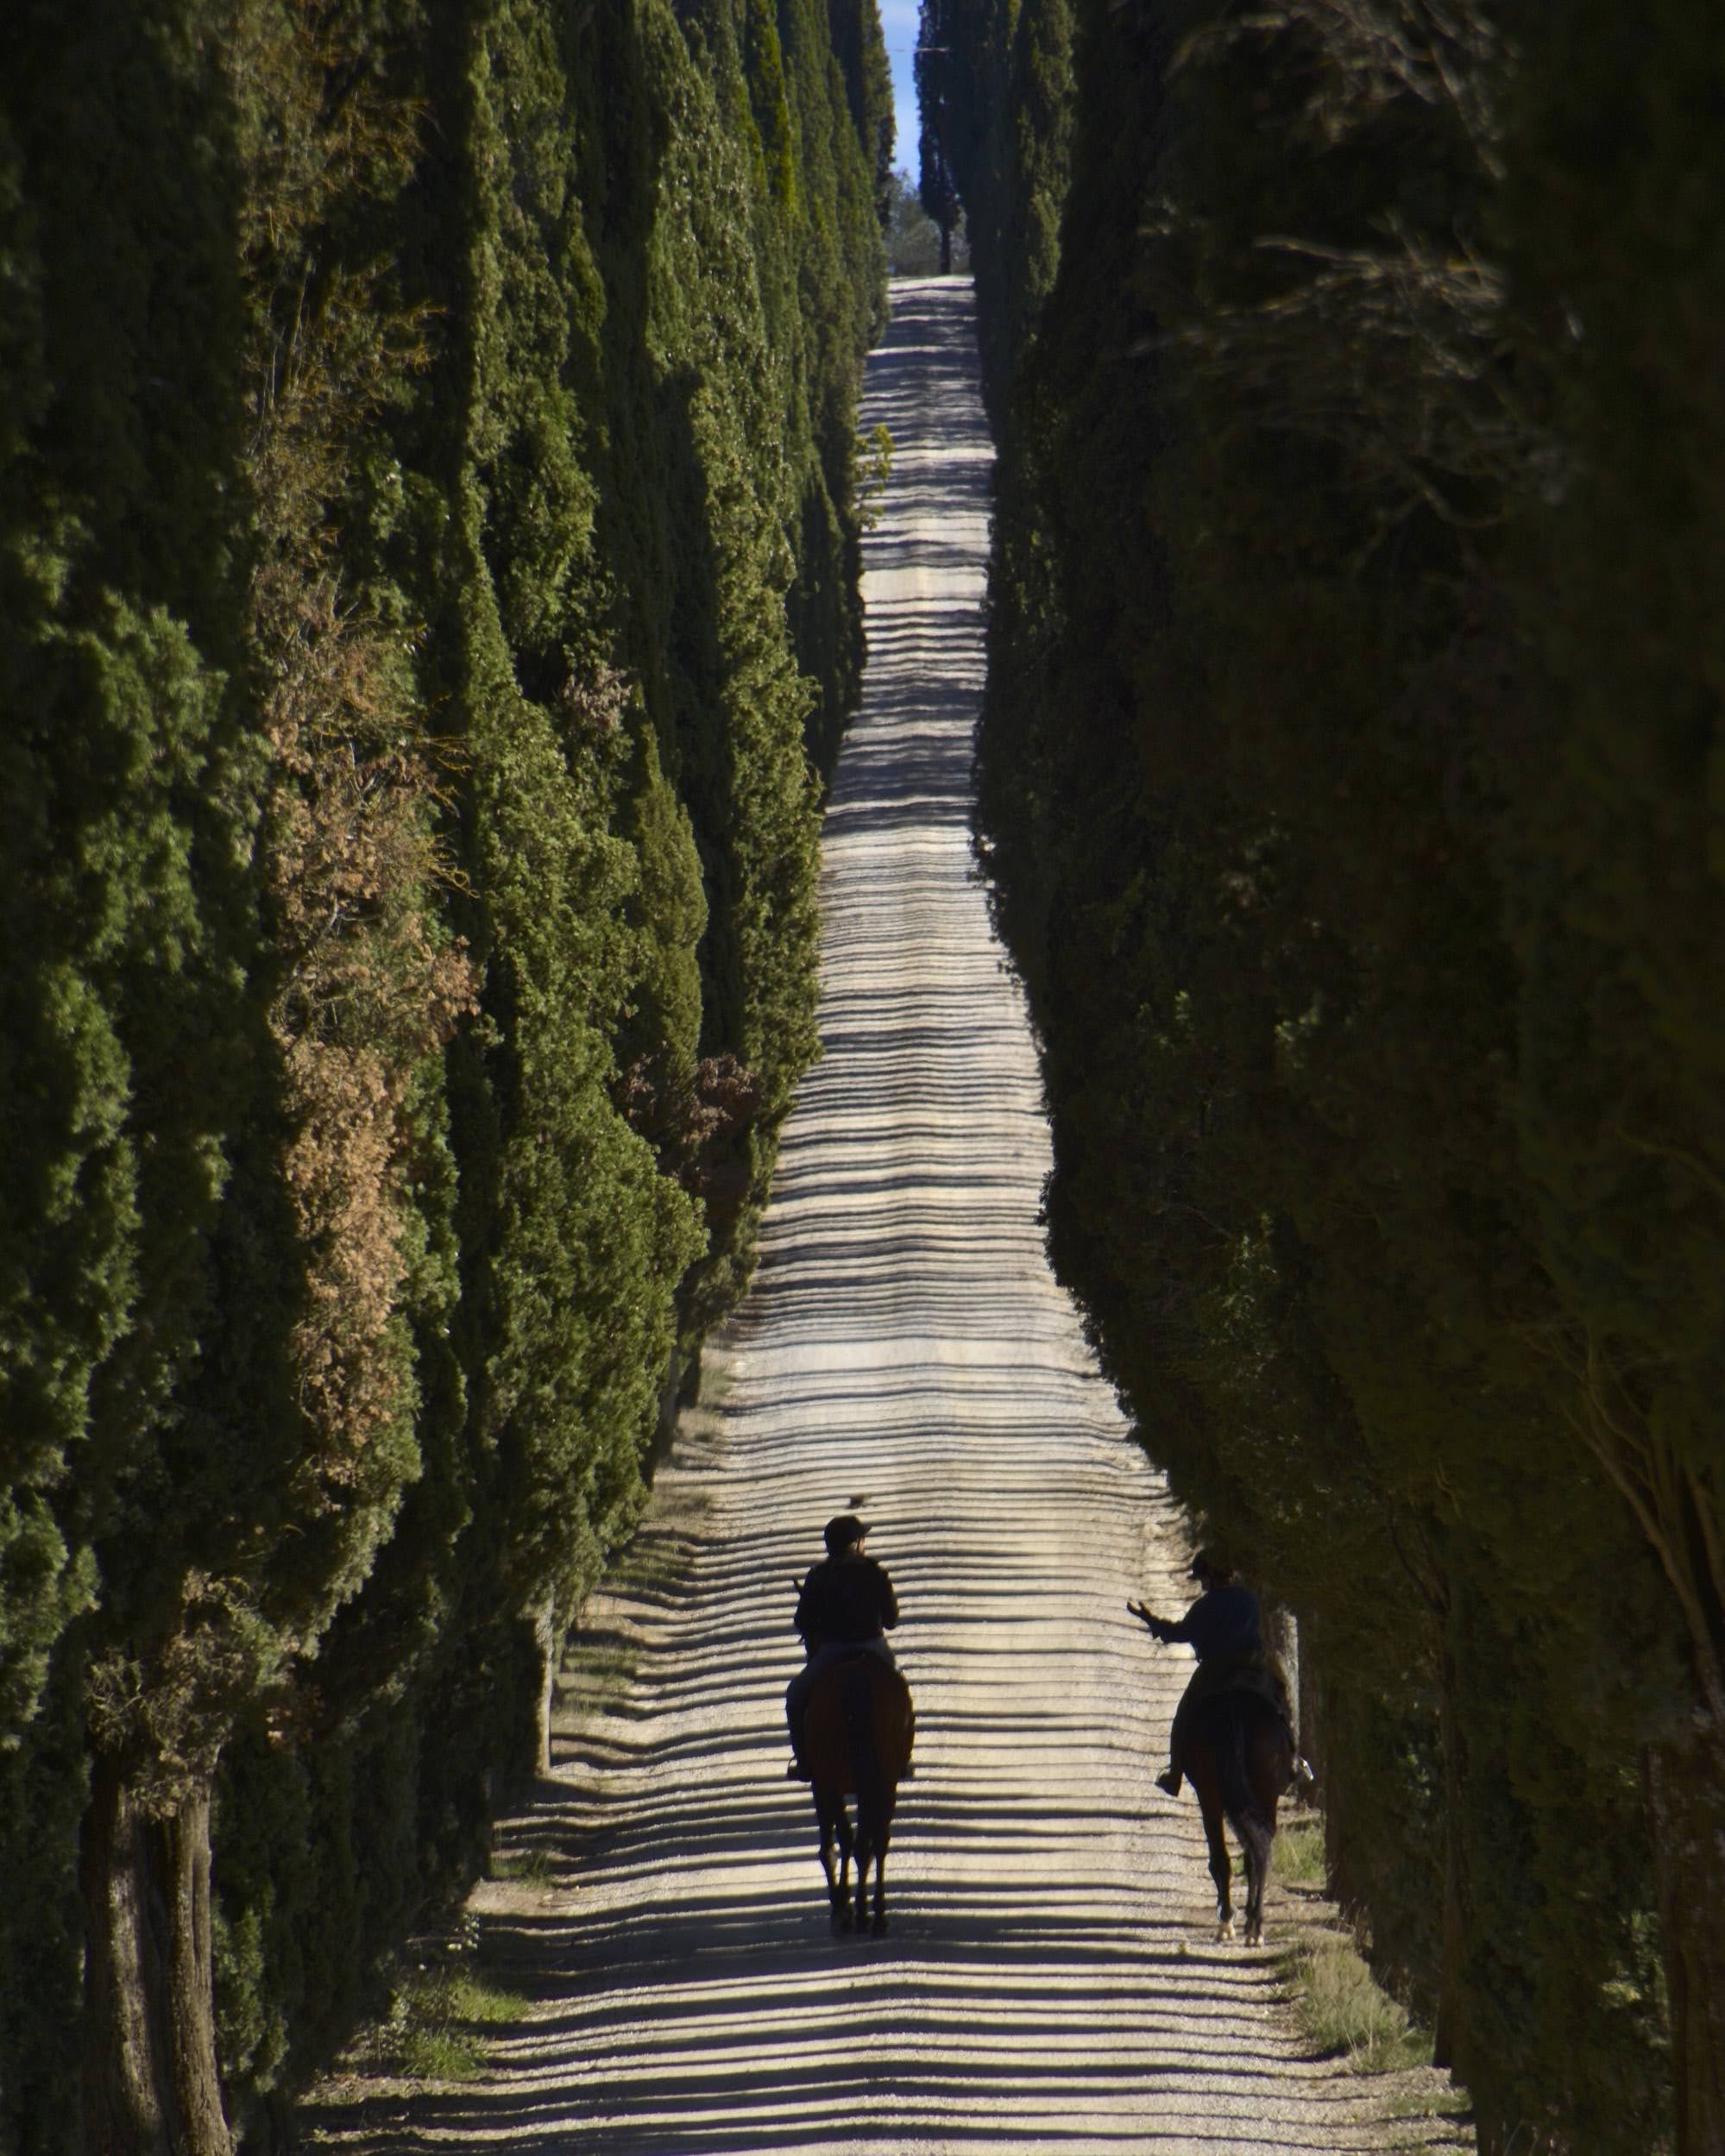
x: 843, y: 1531
x: 1207, y: 1565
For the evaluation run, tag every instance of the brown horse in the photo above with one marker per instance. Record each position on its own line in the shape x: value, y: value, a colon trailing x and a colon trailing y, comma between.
x: 1238, y: 1756
x: 857, y: 1741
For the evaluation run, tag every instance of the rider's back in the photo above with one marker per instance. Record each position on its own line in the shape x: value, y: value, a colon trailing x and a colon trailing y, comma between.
x: 847, y: 1600
x: 1221, y: 1624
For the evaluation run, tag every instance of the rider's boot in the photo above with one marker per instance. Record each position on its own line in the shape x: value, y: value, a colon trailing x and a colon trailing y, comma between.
x: 1169, y: 1779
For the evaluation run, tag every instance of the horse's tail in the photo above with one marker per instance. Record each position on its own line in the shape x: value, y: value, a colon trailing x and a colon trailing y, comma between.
x: 857, y: 1704
x: 1233, y: 1774
x: 1233, y: 1782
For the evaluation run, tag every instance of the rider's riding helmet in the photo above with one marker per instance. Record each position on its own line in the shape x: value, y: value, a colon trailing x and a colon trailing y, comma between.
x: 842, y: 1532
x: 1208, y: 1569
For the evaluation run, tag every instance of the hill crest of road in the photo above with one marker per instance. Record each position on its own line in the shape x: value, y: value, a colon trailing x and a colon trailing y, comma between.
x: 1050, y: 1981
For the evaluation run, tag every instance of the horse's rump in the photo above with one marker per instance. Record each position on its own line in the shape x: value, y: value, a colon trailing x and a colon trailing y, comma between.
x: 1242, y: 1733
x: 860, y: 1725
x: 1251, y: 1707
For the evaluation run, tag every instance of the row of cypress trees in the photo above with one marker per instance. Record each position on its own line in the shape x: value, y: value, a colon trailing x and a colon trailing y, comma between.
x: 428, y: 606
x: 1352, y: 790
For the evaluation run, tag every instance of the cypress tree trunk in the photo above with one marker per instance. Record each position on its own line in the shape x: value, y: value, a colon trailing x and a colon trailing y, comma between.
x: 946, y: 250
x: 1313, y: 1737
x: 151, y: 2086
x: 1449, y: 2035
x: 1449, y: 2049
x: 1281, y: 1636
x: 1335, y: 1786
x: 1683, y: 1786
x: 549, y: 1639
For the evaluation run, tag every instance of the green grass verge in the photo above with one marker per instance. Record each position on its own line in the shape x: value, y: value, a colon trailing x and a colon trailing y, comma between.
x: 1342, y: 2010
x: 1432, y: 2103
x: 1299, y: 1858
x: 525, y: 1867
x: 434, y: 2032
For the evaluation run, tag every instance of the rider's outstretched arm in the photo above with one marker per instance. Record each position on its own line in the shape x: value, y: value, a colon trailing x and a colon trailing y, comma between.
x: 1157, y: 1627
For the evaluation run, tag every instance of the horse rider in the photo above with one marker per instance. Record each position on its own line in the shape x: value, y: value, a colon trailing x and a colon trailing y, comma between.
x: 846, y: 1606
x: 1221, y: 1629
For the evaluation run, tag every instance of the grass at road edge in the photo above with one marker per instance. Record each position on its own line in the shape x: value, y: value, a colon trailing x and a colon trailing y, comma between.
x: 1300, y: 1852
x: 1341, y: 2007
x: 1344, y: 2013
x: 437, y: 2012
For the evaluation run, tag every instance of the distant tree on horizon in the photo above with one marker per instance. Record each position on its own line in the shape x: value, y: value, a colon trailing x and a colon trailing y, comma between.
x: 914, y: 241
x: 937, y: 186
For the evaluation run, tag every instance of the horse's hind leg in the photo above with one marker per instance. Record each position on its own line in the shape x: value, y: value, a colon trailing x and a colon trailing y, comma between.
x: 1255, y: 1842
x: 847, y: 1844
x: 1257, y: 1838
x: 827, y: 1865
x: 1222, y: 1872
x: 835, y: 1827
x: 866, y: 1858
x: 871, y: 1838
x: 1257, y: 1827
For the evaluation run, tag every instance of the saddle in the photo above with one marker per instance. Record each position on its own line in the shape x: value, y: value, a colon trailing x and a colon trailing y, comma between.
x: 1255, y: 1676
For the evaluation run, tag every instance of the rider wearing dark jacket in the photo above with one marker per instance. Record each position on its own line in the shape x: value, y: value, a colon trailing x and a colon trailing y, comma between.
x: 1221, y: 1623
x: 1223, y: 1630
x: 847, y: 1606
x: 846, y: 1600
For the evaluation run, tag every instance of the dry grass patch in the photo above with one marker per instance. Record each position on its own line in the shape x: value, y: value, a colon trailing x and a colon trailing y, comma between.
x: 1341, y: 2009
x: 1299, y: 1853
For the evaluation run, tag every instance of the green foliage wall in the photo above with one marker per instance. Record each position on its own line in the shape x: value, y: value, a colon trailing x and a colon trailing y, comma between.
x: 1348, y: 782
x: 995, y: 86
x: 429, y: 569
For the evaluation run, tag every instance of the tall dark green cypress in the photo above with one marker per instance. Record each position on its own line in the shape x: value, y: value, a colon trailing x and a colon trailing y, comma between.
x: 128, y: 843
x: 1298, y: 812
x: 428, y: 555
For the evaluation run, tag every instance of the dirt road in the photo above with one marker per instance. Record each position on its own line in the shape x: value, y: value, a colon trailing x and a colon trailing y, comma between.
x: 1051, y: 1980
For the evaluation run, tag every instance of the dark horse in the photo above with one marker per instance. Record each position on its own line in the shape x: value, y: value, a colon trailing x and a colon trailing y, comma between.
x: 1239, y: 1758
x: 857, y: 1741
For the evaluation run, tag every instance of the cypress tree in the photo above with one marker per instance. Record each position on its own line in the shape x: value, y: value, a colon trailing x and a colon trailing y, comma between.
x: 428, y: 554
x: 1296, y: 811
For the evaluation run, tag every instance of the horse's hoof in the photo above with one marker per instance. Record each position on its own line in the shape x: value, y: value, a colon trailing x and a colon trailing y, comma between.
x: 1224, y: 1931
x: 1255, y: 1935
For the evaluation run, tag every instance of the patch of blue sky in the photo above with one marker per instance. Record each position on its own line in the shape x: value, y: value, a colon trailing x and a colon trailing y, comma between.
x: 898, y: 22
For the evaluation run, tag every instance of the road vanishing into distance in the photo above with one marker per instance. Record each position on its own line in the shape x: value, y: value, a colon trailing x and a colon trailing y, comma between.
x: 1051, y: 1980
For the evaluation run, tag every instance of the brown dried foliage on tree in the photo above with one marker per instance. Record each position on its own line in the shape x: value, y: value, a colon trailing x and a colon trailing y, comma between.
x: 693, y: 1118
x: 368, y: 990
